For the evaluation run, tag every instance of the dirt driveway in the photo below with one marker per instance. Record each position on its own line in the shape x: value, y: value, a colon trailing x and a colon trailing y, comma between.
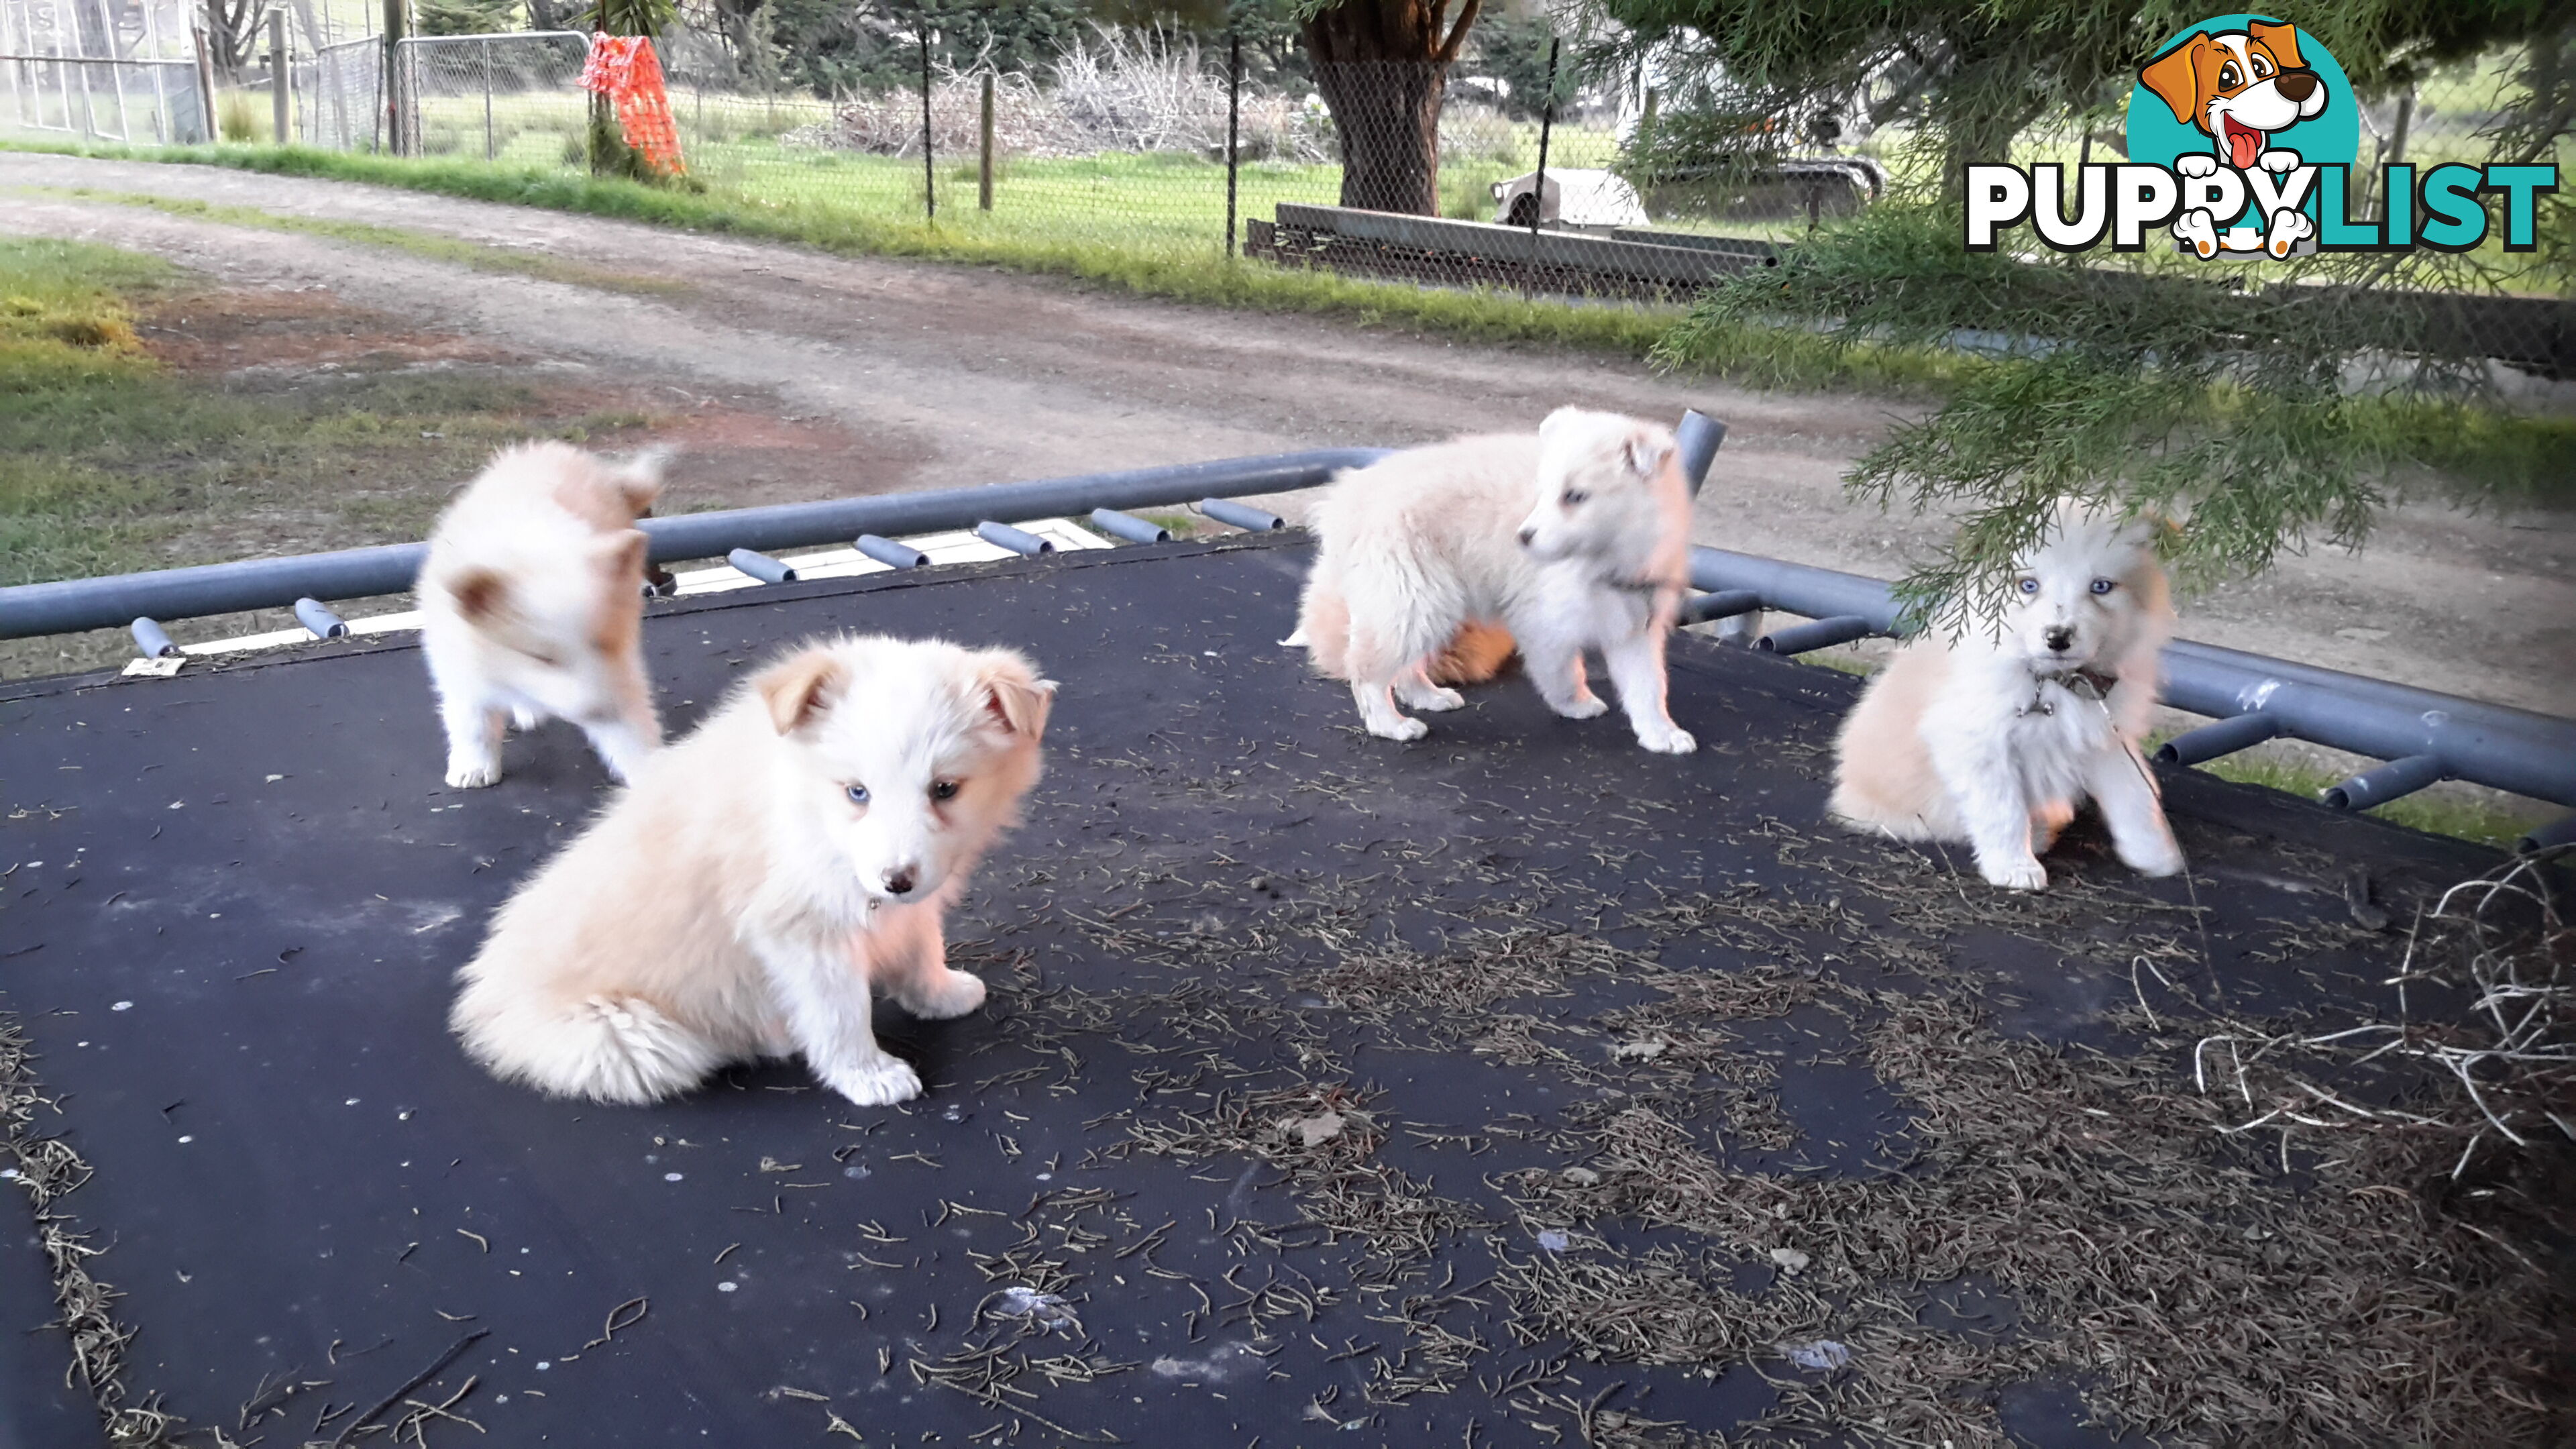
x: 888, y: 375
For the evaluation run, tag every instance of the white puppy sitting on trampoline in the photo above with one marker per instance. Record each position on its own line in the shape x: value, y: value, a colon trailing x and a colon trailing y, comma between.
x: 1435, y: 562
x: 1995, y: 736
x: 761, y: 875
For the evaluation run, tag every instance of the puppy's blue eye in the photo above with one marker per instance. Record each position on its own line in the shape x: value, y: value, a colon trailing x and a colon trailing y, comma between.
x: 858, y: 794
x: 2103, y: 586
x: 943, y: 789
x: 1574, y: 496
x: 2030, y: 586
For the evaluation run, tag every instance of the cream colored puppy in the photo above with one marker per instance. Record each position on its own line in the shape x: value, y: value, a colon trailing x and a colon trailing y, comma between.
x: 1996, y: 736
x: 533, y: 604
x: 1575, y: 539
x: 759, y: 876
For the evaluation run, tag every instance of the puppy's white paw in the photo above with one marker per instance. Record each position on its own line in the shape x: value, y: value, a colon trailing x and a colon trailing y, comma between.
x: 2278, y: 161
x: 880, y: 1082
x: 2162, y: 858
x: 2025, y: 874
x: 473, y: 774
x: 1673, y: 741
x: 951, y: 993
x: 523, y: 718
x: 1404, y: 728
x: 2195, y: 164
x: 1437, y: 699
x: 1589, y: 706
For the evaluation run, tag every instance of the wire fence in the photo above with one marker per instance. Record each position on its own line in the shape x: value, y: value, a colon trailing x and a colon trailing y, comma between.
x: 131, y: 102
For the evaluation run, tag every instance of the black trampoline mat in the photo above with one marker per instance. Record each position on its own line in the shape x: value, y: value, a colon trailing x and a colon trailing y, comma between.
x: 237, y: 898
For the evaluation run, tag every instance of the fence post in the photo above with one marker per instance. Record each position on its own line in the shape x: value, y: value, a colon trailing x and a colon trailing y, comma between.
x: 278, y: 81
x: 1233, y: 127
x: 396, y: 137
x: 206, y: 88
x: 984, y: 174
x: 487, y: 99
x: 929, y: 178
x: 1546, y: 125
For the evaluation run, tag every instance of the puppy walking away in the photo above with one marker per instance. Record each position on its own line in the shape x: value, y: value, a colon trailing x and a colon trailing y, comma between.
x: 1575, y: 539
x: 533, y: 606
x: 1994, y: 737
x: 760, y: 875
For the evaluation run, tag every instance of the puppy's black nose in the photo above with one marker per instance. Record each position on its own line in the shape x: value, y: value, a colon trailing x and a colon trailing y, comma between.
x: 898, y: 882
x: 2060, y: 638
x: 2296, y: 85
x: 1528, y: 535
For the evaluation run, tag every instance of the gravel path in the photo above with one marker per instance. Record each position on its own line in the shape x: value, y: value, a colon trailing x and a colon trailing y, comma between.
x: 948, y: 375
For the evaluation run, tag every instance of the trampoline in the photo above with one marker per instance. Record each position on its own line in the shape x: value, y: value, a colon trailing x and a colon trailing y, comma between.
x: 1511, y: 1086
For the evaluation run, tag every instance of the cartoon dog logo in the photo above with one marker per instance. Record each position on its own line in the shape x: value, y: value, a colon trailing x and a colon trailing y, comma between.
x: 2239, y: 87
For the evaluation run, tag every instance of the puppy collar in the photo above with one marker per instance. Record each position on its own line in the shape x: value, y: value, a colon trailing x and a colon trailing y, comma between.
x: 2085, y: 683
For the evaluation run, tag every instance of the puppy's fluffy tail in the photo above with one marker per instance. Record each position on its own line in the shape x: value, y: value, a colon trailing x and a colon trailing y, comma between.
x: 1475, y: 654
x: 606, y: 1048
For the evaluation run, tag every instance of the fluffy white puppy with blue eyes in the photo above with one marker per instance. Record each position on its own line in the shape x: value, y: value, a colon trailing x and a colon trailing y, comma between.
x: 1993, y: 737
x: 742, y: 897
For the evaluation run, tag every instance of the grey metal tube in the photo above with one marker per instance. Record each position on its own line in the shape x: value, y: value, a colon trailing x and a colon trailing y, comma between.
x: 890, y: 553
x: 2378, y: 787
x: 153, y: 639
x: 323, y: 623
x: 1128, y: 526
x: 1822, y: 634
x: 1017, y: 540
x: 1795, y: 588
x: 67, y: 605
x: 1242, y: 515
x: 761, y: 566
x: 1723, y: 604
x: 2223, y: 738
x: 2561, y: 831
x: 2496, y: 745
x: 1698, y: 437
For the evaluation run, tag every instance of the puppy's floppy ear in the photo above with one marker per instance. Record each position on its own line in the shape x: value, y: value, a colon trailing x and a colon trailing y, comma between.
x: 800, y: 689
x: 2281, y: 40
x: 2175, y: 78
x: 639, y: 482
x: 1009, y: 691
x: 1646, y: 448
x: 1559, y: 419
x: 479, y: 594
x: 621, y: 555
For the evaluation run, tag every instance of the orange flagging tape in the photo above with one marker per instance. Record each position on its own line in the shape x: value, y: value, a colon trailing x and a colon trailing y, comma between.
x: 625, y: 69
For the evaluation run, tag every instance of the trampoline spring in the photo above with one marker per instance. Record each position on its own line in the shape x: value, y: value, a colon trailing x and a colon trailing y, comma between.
x: 1017, y: 540
x: 761, y: 566
x: 890, y: 553
x: 322, y: 622
x: 1129, y: 527
x: 1242, y: 515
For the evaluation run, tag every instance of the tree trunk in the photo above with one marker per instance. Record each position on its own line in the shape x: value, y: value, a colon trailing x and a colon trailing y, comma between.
x: 1382, y: 67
